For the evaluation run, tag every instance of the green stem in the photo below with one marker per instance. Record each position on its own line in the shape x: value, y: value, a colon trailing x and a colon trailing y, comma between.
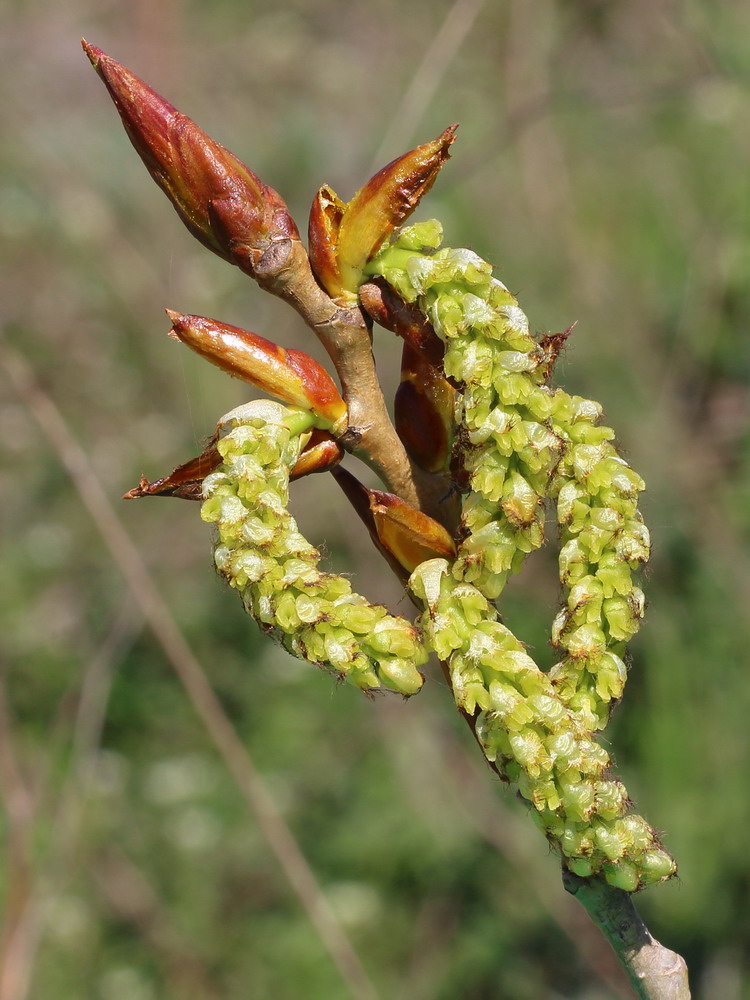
x: 655, y: 972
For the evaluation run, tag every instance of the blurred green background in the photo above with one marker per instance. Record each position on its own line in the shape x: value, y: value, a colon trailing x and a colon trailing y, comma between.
x: 603, y: 165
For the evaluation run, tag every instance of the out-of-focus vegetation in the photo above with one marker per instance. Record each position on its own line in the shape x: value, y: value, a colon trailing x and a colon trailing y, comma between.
x: 603, y: 164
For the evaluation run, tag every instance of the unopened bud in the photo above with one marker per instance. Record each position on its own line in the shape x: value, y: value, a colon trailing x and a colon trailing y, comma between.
x: 407, y: 533
x: 423, y: 412
x: 292, y: 376
x: 220, y: 200
x: 358, y: 496
x: 321, y: 454
x: 384, y: 203
x: 184, y: 482
x: 404, y: 535
x: 322, y: 238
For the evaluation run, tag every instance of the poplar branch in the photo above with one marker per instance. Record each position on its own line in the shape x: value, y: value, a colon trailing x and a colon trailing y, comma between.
x: 236, y: 215
x: 284, y: 270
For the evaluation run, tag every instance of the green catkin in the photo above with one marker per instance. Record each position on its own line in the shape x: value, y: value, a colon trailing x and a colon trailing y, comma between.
x: 522, y: 442
x: 261, y: 553
x: 534, y: 740
x: 509, y: 446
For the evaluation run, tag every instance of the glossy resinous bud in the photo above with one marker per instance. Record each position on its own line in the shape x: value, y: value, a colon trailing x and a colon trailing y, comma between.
x: 292, y: 376
x: 410, y: 535
x: 404, y: 535
x: 220, y: 200
x: 423, y: 412
x: 322, y: 239
x: 322, y: 453
x: 344, y: 237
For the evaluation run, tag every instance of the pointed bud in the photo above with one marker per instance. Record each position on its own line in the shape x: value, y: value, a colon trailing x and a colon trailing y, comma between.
x: 321, y: 454
x: 388, y: 309
x: 322, y: 238
x: 408, y: 534
x: 220, y: 200
x: 384, y: 203
x: 404, y: 535
x: 292, y: 376
x: 423, y: 412
x: 184, y: 481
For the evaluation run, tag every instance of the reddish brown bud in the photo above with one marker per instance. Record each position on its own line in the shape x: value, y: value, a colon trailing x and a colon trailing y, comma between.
x: 184, y: 481
x: 408, y: 534
x: 404, y: 535
x: 388, y: 309
x: 323, y: 232
x: 291, y: 376
x: 220, y: 200
x: 423, y: 412
x: 384, y: 203
x: 321, y: 454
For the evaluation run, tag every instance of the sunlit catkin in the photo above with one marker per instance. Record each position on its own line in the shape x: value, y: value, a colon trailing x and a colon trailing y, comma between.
x: 261, y: 553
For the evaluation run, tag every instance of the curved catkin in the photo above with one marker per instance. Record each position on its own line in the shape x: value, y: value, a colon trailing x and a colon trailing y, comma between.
x: 521, y: 443
x: 534, y: 740
x: 261, y: 553
x: 505, y: 449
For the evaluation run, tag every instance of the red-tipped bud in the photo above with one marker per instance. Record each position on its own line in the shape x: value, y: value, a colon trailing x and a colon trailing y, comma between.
x: 322, y: 238
x: 384, y: 203
x: 388, y: 309
x: 321, y: 454
x: 408, y: 534
x: 423, y: 412
x: 220, y: 200
x: 404, y: 535
x: 291, y: 376
x: 184, y: 481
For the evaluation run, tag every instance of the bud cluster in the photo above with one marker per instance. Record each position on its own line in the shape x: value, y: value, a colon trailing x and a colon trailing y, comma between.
x: 262, y: 554
x: 534, y: 739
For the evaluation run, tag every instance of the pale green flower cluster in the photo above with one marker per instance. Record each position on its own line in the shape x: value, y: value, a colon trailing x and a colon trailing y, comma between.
x: 604, y: 540
x: 520, y: 442
x: 534, y: 739
x: 260, y: 551
x: 505, y: 435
